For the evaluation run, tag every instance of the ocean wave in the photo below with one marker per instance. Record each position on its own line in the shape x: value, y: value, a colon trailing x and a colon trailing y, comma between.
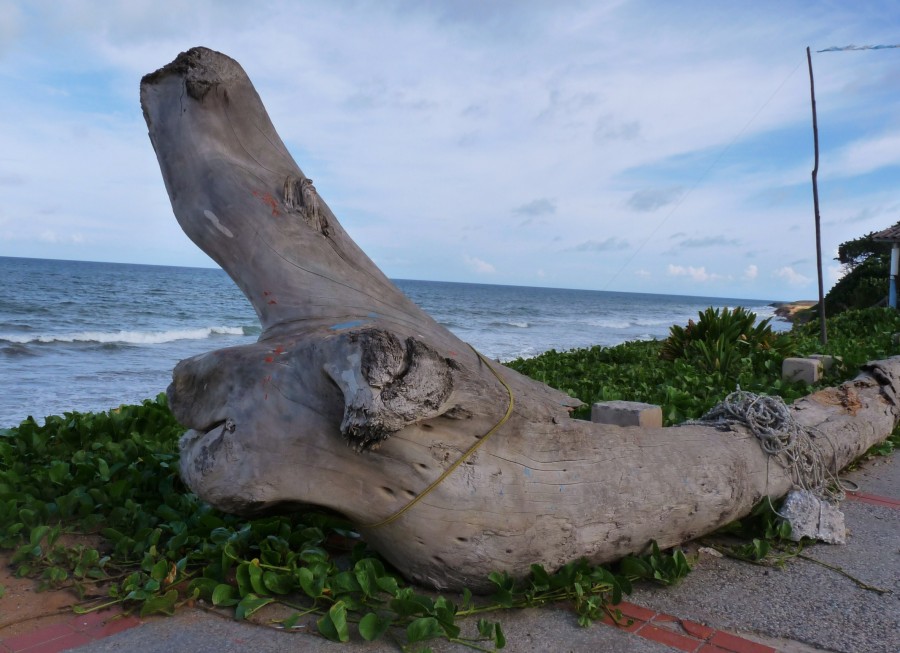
x: 518, y: 324
x: 660, y: 322
x: 129, y: 337
x: 16, y: 349
x: 609, y: 323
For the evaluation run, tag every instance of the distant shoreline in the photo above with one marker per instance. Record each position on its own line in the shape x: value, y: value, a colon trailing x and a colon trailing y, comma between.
x: 789, y: 310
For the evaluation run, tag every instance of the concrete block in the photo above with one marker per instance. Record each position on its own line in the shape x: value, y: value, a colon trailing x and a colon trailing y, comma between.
x: 801, y: 369
x: 627, y: 413
x: 811, y: 517
x: 827, y: 360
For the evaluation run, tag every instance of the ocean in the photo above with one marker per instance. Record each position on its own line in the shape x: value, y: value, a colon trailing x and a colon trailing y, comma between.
x: 79, y: 336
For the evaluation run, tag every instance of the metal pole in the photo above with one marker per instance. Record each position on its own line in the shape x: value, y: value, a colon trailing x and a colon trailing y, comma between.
x: 823, y: 336
x: 895, y: 264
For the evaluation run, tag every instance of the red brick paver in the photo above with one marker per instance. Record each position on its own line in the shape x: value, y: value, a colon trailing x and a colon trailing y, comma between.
x: 737, y: 644
x: 873, y: 499
x: 669, y: 638
x: 79, y: 631
x: 682, y: 634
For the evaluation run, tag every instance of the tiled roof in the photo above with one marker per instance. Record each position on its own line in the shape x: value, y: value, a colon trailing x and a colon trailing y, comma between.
x: 891, y: 234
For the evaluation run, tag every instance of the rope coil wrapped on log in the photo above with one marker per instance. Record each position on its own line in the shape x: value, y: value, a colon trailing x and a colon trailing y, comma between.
x: 781, y: 437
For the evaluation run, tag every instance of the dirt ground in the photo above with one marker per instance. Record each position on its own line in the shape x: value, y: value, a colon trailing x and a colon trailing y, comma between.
x: 24, y: 609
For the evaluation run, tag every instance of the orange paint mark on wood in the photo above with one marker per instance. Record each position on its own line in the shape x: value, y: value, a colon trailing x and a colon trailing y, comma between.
x: 268, y: 200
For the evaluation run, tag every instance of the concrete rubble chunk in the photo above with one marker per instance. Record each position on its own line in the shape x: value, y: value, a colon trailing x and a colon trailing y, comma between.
x: 827, y: 360
x: 814, y: 518
x: 627, y: 413
x: 808, y: 370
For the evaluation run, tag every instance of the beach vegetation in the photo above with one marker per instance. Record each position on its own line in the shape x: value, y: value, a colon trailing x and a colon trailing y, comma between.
x: 687, y: 379
x: 864, y: 282
x: 721, y: 339
x: 93, y: 503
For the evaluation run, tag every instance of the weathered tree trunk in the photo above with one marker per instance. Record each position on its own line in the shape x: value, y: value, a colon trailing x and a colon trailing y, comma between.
x: 346, y: 359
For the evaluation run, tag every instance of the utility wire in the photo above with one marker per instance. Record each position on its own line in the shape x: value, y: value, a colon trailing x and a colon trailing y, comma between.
x: 835, y: 48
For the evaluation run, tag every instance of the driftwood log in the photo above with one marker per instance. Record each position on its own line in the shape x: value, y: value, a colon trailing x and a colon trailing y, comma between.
x: 345, y: 358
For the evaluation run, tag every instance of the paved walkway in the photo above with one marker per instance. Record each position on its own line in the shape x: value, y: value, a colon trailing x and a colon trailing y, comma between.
x: 723, y: 606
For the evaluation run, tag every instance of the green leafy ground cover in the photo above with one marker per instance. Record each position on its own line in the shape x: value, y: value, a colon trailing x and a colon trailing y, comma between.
x: 689, y: 379
x: 93, y: 502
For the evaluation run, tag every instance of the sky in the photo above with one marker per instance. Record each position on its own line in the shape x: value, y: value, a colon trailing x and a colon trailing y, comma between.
x: 629, y: 146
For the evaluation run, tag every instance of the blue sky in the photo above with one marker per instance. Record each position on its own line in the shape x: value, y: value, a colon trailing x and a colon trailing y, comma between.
x: 632, y: 146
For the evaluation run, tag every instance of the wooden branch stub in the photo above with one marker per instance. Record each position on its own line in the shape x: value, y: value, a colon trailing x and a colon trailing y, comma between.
x: 388, y: 384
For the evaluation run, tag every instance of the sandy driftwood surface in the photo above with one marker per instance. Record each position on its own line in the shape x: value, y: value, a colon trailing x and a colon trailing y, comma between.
x: 354, y: 399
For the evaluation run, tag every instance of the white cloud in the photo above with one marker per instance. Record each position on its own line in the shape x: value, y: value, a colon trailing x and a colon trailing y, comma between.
x: 866, y: 155
x: 650, y: 199
x: 791, y: 276
x: 709, y: 241
x: 697, y: 274
x: 751, y: 272
x: 479, y: 266
x: 606, y: 245
x: 642, y: 274
x: 53, y: 237
x: 836, y: 273
x: 10, y: 25
x: 573, y: 119
x: 540, y: 206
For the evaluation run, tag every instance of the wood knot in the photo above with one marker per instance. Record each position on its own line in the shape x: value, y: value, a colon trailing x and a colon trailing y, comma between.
x: 301, y: 197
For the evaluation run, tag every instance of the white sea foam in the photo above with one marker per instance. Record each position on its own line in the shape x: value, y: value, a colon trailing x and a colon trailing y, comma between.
x: 608, y: 323
x: 518, y: 324
x: 665, y: 322
x: 126, y: 337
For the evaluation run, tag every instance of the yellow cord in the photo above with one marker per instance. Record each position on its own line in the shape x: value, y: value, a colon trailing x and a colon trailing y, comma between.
x: 440, y: 479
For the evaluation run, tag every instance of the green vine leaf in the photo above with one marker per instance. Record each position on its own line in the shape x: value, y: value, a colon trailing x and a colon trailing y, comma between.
x: 333, y: 624
x: 250, y: 604
x: 373, y: 626
x: 224, y: 596
x: 278, y: 583
x: 311, y: 583
x: 423, y: 628
x: 164, y: 604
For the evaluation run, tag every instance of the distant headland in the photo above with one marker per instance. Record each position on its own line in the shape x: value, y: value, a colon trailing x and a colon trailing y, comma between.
x: 789, y: 310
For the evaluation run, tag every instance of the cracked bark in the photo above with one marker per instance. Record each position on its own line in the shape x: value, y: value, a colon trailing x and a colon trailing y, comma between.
x: 345, y: 358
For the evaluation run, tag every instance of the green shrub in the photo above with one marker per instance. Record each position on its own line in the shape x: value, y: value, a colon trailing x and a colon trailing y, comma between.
x: 687, y: 385
x: 721, y: 340
x: 864, y: 286
x: 856, y: 336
